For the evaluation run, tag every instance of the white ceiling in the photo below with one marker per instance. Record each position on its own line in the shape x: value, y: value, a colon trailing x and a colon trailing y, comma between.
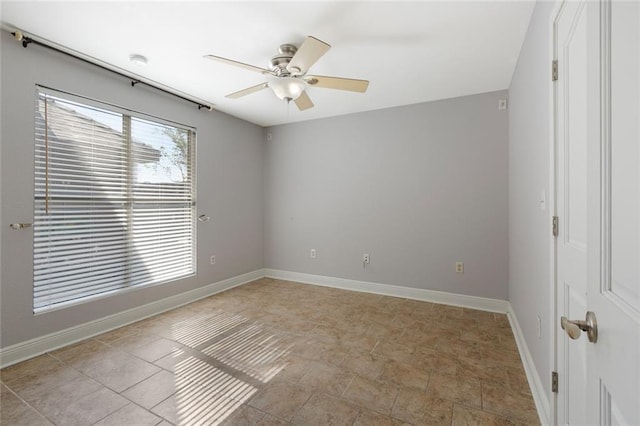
x: 411, y: 52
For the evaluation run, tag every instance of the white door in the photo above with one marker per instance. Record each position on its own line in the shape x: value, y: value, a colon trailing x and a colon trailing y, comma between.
x: 599, y: 103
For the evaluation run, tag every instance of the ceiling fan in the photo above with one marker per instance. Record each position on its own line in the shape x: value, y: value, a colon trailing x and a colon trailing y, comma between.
x: 288, y: 74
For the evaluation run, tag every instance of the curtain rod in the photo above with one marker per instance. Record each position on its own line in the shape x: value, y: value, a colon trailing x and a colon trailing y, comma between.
x: 26, y: 41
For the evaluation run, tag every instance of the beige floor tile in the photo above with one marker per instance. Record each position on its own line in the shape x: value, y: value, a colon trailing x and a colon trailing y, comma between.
x: 489, y: 354
x: 201, y: 330
x: 58, y: 382
x: 81, y: 353
x: 314, y: 348
x: 446, y: 311
x: 381, y: 330
x: 85, y: 409
x: 269, y: 420
x: 408, y: 320
x: 455, y: 324
x: 482, y: 316
x: 358, y: 340
x: 149, y: 392
x: 476, y: 369
x: 505, y: 402
x: 418, y: 408
x: 168, y: 410
x: 168, y: 362
x: 194, y: 371
x: 464, y: 391
x: 32, y: 367
x: 194, y: 403
x: 405, y: 375
x: 281, y: 399
x: 434, y: 360
x: 277, y: 366
x: 155, y: 349
x: 327, y: 378
x: 418, y: 307
x: 132, y: 341
x: 322, y: 409
x: 395, y: 304
x: 373, y: 314
x: 365, y: 364
x: 294, y: 368
x: 518, y: 379
x: 502, y: 321
x: 244, y: 416
x: 290, y: 323
x: 117, y: 370
x: 153, y: 325
x: 465, y: 416
x: 248, y: 355
x: 130, y: 414
x: 341, y: 318
x: 508, y: 342
x: 395, y: 350
x: 119, y: 333
x: 434, y: 338
x: 480, y: 335
x: 372, y: 418
x: 15, y: 412
x: 374, y: 395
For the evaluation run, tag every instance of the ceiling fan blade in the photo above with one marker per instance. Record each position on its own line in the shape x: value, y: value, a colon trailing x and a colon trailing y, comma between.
x: 239, y: 64
x: 247, y: 91
x: 311, y: 50
x: 338, y: 83
x: 303, y: 101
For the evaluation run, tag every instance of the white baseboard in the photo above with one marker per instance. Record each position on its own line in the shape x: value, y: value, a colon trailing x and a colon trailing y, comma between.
x: 537, y: 389
x: 34, y: 347
x: 473, y: 302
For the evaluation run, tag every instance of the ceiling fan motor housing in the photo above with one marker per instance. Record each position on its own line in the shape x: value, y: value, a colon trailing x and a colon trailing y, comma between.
x: 280, y: 61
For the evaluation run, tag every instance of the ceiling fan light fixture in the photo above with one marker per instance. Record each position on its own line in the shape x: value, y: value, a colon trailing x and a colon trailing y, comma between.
x: 287, y: 88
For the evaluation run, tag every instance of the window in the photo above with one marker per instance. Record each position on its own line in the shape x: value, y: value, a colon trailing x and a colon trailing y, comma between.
x: 114, y: 200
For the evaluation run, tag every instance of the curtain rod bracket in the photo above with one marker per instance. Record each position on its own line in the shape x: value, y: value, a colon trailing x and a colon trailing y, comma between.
x: 21, y: 37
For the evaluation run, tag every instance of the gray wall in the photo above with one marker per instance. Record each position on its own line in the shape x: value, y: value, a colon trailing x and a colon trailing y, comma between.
x: 530, y: 284
x: 417, y: 187
x: 229, y: 173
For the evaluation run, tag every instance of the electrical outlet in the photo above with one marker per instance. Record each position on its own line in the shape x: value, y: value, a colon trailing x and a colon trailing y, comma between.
x: 212, y: 260
x: 366, y: 258
x: 459, y: 268
x: 312, y: 253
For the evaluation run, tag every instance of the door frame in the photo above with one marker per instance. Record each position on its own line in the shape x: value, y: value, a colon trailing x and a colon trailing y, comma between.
x: 553, y: 190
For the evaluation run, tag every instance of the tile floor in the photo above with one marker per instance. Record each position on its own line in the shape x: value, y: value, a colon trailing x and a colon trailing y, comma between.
x: 274, y: 353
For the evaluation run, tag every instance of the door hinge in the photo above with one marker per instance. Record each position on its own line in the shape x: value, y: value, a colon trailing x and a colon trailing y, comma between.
x: 554, y: 226
x: 554, y: 381
x: 554, y: 70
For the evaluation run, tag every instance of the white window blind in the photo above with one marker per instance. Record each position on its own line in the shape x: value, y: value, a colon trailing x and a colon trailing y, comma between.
x: 114, y: 201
